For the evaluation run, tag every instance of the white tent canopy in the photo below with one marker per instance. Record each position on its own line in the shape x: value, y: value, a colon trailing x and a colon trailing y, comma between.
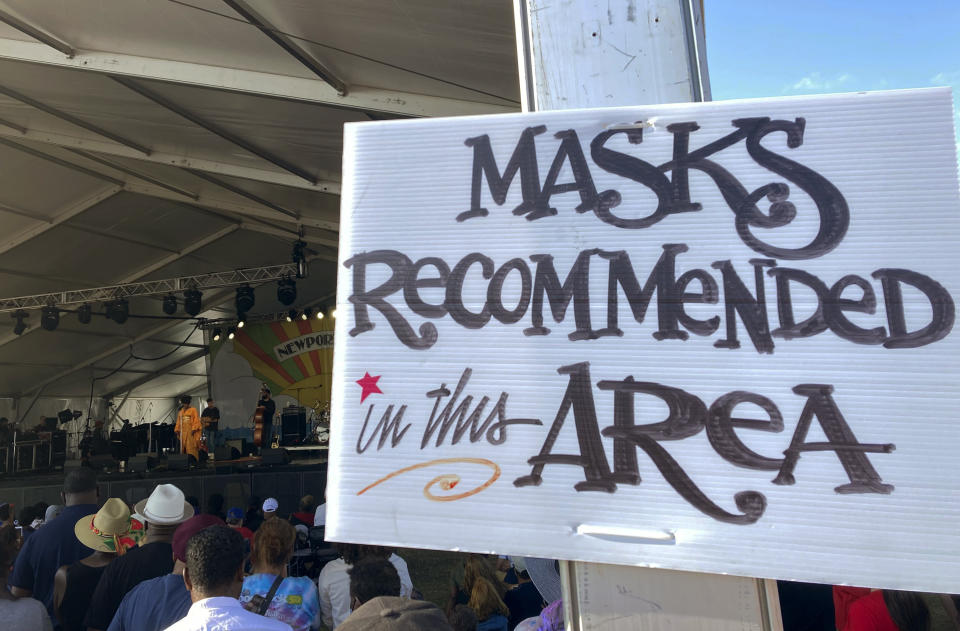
x: 149, y: 139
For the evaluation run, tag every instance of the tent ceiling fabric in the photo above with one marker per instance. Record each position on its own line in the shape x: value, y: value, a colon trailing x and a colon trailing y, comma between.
x: 179, y: 139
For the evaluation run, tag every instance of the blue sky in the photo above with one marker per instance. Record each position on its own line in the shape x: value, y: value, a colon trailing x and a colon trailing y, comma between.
x: 761, y: 48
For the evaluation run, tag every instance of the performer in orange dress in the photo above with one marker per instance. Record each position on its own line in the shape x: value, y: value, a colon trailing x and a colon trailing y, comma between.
x: 188, y: 428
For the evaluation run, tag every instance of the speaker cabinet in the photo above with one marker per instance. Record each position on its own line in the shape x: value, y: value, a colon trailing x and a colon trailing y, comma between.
x: 226, y: 452
x: 293, y: 425
x: 178, y: 462
x: 139, y: 464
x: 273, y: 456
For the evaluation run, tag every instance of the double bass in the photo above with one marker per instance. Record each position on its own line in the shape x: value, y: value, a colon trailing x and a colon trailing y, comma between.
x: 258, y: 425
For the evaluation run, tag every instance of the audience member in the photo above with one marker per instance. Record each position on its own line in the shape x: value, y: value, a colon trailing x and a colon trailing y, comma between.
x: 6, y: 514
x: 56, y: 546
x: 194, y: 502
x: 253, y: 517
x: 109, y: 533
x: 805, y: 606
x: 485, y: 594
x: 305, y: 511
x: 235, y: 521
x: 270, y: 506
x: 293, y: 599
x: 155, y: 604
x: 163, y: 511
x: 370, y: 577
x: 215, y: 505
x: 53, y: 511
x: 523, y: 601
x: 334, y: 585
x: 462, y: 618
x: 862, y: 609
x: 214, y: 578
x: 391, y: 613
x: 17, y: 614
x: 320, y: 516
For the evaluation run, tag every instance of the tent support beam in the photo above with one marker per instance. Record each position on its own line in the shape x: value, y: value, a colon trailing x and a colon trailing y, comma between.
x: 281, y: 87
x: 289, y: 45
x: 131, y: 172
x: 242, y: 193
x: 70, y: 118
x: 145, y: 379
x: 214, y: 128
x: 37, y: 33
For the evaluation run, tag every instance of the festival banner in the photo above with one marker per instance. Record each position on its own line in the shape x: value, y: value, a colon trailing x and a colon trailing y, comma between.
x: 715, y: 337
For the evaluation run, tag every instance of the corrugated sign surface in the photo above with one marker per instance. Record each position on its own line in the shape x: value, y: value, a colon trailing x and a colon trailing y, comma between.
x: 715, y: 337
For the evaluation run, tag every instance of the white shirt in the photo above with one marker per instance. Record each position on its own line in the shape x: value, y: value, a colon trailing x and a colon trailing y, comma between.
x: 225, y: 614
x: 406, y: 585
x: 334, y: 587
x: 320, y: 517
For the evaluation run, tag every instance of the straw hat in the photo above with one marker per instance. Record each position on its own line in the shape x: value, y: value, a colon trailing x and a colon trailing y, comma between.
x: 110, y: 529
x: 165, y: 506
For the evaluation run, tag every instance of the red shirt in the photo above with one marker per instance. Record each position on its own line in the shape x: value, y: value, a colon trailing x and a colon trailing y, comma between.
x: 866, y: 613
x: 245, y: 532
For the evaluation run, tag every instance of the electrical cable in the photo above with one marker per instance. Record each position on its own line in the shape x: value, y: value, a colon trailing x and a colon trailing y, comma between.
x: 347, y: 52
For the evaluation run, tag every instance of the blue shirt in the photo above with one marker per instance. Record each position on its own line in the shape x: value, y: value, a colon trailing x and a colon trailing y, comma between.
x: 496, y: 622
x: 153, y: 605
x: 296, y: 602
x: 46, y: 550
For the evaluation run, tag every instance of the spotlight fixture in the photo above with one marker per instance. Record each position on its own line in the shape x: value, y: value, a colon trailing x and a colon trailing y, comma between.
x: 231, y: 333
x: 304, y: 315
x: 216, y: 335
x: 300, y: 258
x: 333, y: 314
x: 118, y: 310
x: 241, y: 320
x: 50, y: 318
x: 19, y: 315
x: 307, y: 313
x: 169, y: 304
x: 320, y: 314
x: 291, y: 315
x: 192, y: 302
x: 245, y: 299
x: 287, y: 291
x: 84, y: 314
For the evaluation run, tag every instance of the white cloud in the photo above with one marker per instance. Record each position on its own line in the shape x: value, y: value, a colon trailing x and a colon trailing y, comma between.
x: 815, y: 82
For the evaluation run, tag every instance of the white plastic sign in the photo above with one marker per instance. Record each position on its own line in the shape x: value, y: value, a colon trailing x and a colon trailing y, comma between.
x: 715, y: 337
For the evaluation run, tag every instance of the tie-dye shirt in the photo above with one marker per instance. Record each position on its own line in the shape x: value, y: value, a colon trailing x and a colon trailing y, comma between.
x: 296, y: 601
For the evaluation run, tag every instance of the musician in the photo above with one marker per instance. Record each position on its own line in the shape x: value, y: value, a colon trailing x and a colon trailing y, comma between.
x: 188, y: 428
x: 270, y: 407
x: 211, y: 422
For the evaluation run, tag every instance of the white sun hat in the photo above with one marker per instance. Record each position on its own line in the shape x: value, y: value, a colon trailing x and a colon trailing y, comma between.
x: 165, y: 506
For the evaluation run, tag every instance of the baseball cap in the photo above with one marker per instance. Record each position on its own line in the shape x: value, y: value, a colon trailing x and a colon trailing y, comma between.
x: 392, y: 613
x: 270, y: 505
x: 189, y: 528
x: 235, y: 513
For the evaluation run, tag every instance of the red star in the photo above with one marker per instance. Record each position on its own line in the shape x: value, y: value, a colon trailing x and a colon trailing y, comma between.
x: 369, y: 385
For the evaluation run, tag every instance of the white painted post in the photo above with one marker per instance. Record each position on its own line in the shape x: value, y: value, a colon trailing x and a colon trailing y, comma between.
x: 606, y: 53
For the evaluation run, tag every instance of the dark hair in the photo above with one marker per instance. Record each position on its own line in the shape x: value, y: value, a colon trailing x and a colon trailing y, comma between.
x: 307, y: 503
x: 209, y: 400
x: 4, y: 511
x: 80, y: 480
x: 215, y: 503
x: 371, y: 577
x: 349, y: 552
x: 907, y: 609
x: 462, y: 618
x: 193, y: 501
x: 27, y: 515
x: 8, y: 548
x: 273, y: 543
x: 185, y: 399
x: 214, y: 556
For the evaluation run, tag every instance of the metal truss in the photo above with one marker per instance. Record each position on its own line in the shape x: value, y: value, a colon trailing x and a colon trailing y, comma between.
x: 252, y: 275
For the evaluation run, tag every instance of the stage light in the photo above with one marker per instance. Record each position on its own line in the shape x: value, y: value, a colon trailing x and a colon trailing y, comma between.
x: 300, y: 258
x: 50, y: 318
x: 287, y: 291
x: 320, y: 314
x: 169, y: 304
x: 118, y: 310
x: 192, y: 302
x: 245, y: 299
x: 305, y: 315
x: 241, y: 320
x: 231, y: 333
x: 84, y: 314
x: 333, y: 314
x: 19, y: 315
x: 291, y: 315
x: 216, y: 335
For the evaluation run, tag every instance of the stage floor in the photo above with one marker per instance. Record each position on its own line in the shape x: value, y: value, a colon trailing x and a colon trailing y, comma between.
x: 236, y: 480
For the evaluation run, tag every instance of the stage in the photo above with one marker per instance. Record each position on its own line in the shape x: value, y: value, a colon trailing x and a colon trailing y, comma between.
x: 236, y: 480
